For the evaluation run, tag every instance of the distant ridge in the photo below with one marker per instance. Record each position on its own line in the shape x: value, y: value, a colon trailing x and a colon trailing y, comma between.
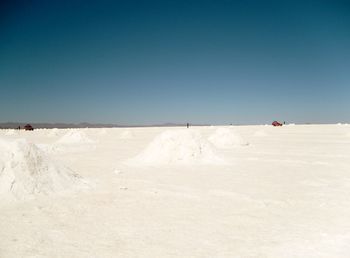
x: 13, y: 125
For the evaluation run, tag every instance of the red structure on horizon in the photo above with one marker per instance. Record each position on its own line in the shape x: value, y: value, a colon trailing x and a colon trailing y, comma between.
x: 275, y: 123
x: 28, y: 127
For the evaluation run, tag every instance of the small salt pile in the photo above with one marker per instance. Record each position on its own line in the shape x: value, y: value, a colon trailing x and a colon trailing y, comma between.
x: 178, y: 147
x: 226, y: 138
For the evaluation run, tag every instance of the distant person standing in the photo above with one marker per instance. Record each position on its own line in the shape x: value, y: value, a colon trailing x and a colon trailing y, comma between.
x: 188, y: 125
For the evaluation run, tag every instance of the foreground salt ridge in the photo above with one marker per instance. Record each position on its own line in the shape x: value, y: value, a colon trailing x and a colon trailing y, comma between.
x: 26, y: 171
x: 226, y: 138
x: 178, y: 147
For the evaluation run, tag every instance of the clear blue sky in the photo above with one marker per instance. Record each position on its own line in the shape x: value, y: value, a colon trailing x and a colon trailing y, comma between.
x: 144, y: 62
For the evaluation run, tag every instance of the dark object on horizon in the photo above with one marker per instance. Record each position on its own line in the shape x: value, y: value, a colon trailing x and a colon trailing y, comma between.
x: 188, y: 125
x: 19, y: 127
x: 28, y: 127
x: 275, y: 123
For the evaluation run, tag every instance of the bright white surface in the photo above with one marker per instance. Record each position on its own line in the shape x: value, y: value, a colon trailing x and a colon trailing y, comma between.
x: 286, y: 194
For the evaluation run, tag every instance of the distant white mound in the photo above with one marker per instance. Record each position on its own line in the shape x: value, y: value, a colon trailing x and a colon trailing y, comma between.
x: 260, y: 133
x: 178, y: 147
x: 53, y: 132
x: 102, y: 131
x: 226, y: 138
x: 10, y: 132
x: 74, y: 137
x: 126, y: 135
x: 26, y: 171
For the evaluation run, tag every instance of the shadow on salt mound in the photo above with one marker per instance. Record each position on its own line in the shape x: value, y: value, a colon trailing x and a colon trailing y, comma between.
x: 74, y: 137
x: 26, y: 171
x: 177, y: 147
x: 226, y: 138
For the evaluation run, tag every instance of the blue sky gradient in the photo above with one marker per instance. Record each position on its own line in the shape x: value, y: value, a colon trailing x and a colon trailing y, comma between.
x: 146, y: 62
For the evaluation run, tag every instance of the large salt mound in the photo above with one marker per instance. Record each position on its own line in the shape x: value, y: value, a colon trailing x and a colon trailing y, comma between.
x: 226, y: 138
x: 74, y: 136
x: 26, y: 171
x: 178, y: 147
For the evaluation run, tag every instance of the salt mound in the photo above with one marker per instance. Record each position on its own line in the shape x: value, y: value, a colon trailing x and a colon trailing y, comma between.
x: 126, y: 135
x: 226, y: 138
x: 26, y: 171
x: 74, y: 136
x: 177, y: 147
